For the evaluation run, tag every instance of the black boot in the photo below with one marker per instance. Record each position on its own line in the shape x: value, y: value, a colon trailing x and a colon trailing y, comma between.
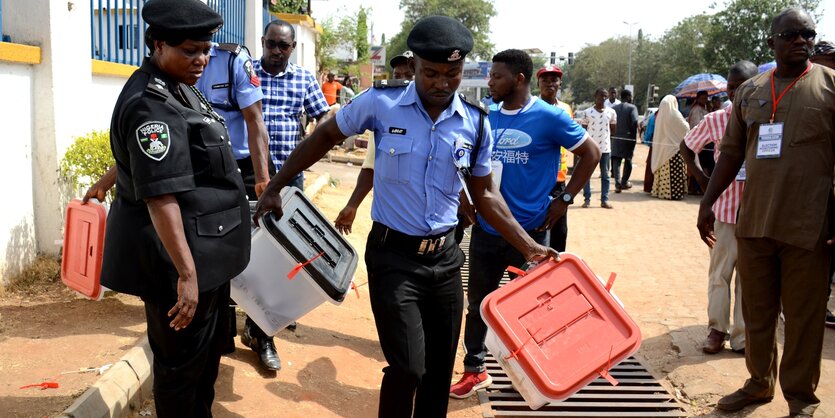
x: 264, y: 346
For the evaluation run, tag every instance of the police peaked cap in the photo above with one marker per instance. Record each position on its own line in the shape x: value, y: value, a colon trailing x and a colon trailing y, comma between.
x: 440, y: 39
x: 182, y: 19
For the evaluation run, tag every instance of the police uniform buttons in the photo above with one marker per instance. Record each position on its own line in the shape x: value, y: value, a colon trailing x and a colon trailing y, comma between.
x: 229, y: 142
x: 239, y: 170
x: 220, y: 228
x: 433, y: 129
x: 430, y: 158
x: 391, y: 151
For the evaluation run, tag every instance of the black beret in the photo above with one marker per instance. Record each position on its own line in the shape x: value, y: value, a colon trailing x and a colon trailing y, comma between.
x: 440, y: 39
x: 181, y: 19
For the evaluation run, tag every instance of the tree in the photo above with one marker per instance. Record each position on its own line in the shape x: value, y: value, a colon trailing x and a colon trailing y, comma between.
x: 474, y: 14
x: 683, y: 52
x: 361, y: 35
x: 334, y: 34
x: 599, y: 66
x: 288, y: 6
x: 739, y: 32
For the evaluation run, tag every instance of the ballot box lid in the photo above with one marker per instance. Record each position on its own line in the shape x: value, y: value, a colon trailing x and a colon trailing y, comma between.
x: 562, y: 325
x: 306, y: 234
x: 81, y: 259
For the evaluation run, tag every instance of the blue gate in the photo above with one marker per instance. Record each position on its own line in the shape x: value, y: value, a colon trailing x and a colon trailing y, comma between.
x: 118, y: 31
x: 234, y: 17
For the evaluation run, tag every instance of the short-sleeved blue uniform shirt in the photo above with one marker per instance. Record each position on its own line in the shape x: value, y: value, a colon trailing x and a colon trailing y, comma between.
x: 527, y: 146
x: 245, y: 89
x: 416, y: 182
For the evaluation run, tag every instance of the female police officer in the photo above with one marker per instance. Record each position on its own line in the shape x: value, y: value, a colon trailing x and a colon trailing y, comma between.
x: 178, y: 230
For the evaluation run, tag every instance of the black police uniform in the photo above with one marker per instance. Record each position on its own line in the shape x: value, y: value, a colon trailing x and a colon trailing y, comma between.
x: 165, y: 141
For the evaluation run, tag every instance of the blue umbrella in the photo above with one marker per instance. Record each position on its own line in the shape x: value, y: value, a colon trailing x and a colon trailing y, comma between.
x: 767, y: 66
x: 711, y: 83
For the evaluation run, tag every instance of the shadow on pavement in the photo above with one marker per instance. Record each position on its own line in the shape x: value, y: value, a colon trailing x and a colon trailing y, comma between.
x: 319, y: 385
x: 307, y: 335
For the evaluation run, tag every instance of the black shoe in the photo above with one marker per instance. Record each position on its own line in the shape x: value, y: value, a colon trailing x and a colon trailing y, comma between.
x: 265, y: 347
x: 292, y: 326
x: 830, y: 319
x: 740, y: 399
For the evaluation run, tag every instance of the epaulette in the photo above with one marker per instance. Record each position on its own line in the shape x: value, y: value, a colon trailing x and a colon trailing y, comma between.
x: 234, y: 49
x: 158, y: 88
x: 385, y: 84
x: 464, y: 99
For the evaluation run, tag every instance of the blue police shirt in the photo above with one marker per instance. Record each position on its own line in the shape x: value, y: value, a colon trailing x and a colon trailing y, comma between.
x: 416, y: 184
x: 246, y: 89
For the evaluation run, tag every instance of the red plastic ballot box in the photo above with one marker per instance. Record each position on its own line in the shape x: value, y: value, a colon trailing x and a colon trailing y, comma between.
x: 83, y: 248
x: 296, y: 263
x: 556, y: 329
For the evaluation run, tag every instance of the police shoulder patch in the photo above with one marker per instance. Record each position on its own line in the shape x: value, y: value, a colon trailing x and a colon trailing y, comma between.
x: 253, y: 78
x: 153, y: 139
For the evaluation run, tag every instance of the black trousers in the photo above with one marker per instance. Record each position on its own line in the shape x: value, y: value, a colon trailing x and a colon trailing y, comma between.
x: 559, y: 232
x: 417, y: 303
x: 248, y: 175
x: 186, y: 362
x: 490, y: 255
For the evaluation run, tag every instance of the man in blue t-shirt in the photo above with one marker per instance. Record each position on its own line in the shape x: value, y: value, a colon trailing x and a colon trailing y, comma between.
x: 528, y: 134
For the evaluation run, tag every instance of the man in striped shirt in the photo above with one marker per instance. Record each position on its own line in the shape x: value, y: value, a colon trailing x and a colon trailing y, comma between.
x: 723, y: 255
x: 288, y: 90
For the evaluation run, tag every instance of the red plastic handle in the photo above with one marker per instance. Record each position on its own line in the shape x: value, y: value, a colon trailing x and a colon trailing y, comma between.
x: 292, y: 274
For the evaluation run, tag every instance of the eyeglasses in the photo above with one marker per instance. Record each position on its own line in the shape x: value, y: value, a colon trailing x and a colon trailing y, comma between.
x: 806, y: 34
x: 271, y: 44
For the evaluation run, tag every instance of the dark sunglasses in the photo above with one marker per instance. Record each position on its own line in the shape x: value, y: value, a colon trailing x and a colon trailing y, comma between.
x: 806, y: 34
x: 271, y: 44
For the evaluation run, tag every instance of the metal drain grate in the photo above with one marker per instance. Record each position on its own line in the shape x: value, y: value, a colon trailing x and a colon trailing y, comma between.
x: 637, y: 394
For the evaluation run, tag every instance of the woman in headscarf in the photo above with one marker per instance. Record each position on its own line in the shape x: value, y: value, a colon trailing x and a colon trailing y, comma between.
x: 667, y: 165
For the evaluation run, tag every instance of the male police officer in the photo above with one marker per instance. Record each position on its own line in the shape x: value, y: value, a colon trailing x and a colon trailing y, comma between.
x: 426, y: 135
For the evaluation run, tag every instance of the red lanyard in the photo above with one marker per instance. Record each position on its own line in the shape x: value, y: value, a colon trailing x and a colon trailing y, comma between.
x: 776, y: 100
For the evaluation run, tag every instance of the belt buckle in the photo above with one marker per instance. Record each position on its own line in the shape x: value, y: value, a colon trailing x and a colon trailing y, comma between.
x: 423, y: 244
x: 431, y: 246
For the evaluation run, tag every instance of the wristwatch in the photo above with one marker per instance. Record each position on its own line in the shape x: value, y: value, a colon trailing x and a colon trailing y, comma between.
x: 566, y: 198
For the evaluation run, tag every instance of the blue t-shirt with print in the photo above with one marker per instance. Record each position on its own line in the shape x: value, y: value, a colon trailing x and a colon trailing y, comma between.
x: 527, y: 144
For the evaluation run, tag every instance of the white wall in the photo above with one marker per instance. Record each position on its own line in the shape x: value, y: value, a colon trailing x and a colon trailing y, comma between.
x: 105, y: 90
x: 305, y: 53
x: 17, y: 213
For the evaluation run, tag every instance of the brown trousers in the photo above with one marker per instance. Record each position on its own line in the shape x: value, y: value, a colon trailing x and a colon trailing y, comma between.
x: 778, y: 274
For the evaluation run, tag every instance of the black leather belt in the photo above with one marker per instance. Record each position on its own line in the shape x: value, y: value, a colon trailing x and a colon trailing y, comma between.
x: 409, y: 244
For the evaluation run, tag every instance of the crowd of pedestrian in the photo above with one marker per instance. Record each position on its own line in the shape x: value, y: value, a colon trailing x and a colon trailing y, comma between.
x: 195, y: 138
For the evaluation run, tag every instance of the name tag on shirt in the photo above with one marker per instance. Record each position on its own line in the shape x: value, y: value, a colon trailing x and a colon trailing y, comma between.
x: 741, y: 176
x: 770, y: 140
x: 461, y: 156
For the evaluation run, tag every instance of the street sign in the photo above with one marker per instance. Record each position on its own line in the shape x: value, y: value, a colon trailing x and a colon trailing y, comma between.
x: 378, y: 55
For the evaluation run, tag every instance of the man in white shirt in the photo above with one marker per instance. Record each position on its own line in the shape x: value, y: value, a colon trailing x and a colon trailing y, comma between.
x: 613, y: 98
x: 601, y: 122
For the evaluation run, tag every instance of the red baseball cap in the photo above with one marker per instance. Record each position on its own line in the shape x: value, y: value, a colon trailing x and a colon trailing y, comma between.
x: 549, y: 69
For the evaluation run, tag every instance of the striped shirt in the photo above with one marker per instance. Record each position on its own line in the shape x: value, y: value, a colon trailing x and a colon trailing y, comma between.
x: 286, y: 96
x: 712, y: 129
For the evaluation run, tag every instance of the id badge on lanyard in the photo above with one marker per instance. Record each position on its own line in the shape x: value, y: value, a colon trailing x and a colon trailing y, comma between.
x: 769, y: 140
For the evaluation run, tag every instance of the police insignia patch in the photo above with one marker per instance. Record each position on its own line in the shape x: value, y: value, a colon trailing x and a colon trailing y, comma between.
x: 253, y: 78
x: 153, y: 139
